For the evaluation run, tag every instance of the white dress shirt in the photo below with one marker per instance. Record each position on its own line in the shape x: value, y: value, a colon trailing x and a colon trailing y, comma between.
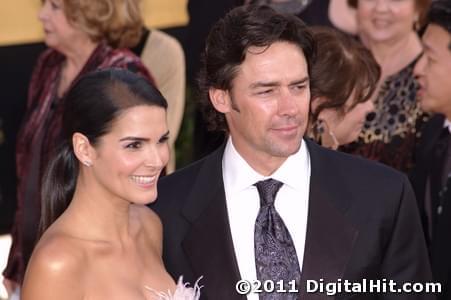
x: 447, y: 123
x: 243, y: 203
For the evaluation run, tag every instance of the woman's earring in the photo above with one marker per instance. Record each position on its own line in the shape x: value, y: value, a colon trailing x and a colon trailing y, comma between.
x: 87, y: 163
x: 320, y: 130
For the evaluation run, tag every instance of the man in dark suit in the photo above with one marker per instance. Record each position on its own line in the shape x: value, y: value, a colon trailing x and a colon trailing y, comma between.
x: 431, y: 178
x: 271, y: 206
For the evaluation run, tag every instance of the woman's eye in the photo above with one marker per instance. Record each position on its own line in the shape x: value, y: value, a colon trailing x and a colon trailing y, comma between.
x: 134, y: 145
x: 163, y: 139
x: 54, y: 5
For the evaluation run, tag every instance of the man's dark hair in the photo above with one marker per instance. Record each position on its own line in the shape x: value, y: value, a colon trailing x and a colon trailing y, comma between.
x: 229, y: 40
x: 440, y: 14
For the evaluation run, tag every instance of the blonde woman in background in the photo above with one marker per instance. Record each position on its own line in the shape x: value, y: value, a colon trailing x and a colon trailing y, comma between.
x: 82, y: 36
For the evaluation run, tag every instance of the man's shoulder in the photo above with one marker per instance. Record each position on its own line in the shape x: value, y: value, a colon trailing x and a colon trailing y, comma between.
x: 351, y: 166
x: 184, y: 178
x: 359, y: 180
x: 361, y: 188
x: 187, y: 173
x: 430, y: 135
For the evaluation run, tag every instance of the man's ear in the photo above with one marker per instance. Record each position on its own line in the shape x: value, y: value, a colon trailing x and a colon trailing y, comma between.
x: 83, y: 149
x: 220, y: 100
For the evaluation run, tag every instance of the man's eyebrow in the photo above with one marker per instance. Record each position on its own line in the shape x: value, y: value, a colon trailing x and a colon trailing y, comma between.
x: 260, y: 84
x: 301, y: 81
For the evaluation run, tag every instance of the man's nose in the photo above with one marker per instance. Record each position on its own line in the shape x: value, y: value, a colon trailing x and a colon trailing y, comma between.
x: 287, y: 103
x: 420, y: 66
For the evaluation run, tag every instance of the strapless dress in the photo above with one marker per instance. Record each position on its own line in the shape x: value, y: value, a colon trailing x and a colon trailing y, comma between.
x: 183, y: 291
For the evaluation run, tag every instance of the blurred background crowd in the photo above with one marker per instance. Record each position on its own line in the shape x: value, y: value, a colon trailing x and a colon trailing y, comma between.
x: 365, y: 102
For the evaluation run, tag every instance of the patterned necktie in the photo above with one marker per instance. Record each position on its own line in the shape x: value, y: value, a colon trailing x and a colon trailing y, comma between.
x: 275, y: 254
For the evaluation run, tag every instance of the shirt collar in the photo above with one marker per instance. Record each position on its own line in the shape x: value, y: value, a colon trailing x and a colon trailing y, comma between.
x: 447, y: 123
x: 239, y: 175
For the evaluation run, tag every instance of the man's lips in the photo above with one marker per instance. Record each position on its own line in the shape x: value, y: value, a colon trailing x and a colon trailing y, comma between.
x: 420, y: 90
x: 286, y: 130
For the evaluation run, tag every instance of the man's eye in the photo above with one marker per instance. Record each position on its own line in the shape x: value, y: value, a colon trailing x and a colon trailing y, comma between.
x: 264, y: 92
x: 299, y: 87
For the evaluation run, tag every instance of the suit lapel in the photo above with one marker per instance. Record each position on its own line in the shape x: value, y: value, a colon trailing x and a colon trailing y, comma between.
x: 430, y: 136
x: 208, y: 244
x: 330, y: 237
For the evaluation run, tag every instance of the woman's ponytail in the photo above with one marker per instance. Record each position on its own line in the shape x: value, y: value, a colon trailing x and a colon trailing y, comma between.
x: 58, y: 185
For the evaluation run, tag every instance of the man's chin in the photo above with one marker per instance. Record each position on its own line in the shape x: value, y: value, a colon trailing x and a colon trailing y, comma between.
x: 285, y: 150
x: 425, y: 104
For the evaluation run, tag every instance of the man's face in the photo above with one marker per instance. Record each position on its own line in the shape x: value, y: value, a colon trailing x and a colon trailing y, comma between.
x: 433, y: 71
x: 267, y: 107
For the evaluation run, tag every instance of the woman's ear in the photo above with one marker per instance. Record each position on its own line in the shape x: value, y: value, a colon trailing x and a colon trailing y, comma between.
x: 315, y: 102
x: 325, y: 115
x: 83, y: 149
x: 220, y: 100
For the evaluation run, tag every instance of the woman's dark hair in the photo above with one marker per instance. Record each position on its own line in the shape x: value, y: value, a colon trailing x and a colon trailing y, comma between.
x: 228, y: 42
x: 90, y: 108
x: 343, y: 66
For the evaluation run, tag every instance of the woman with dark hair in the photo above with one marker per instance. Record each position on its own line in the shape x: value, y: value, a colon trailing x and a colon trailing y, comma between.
x: 343, y: 78
x: 82, y: 36
x: 100, y: 240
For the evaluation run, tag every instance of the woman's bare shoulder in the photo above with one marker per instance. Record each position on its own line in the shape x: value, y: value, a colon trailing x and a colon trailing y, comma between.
x: 55, y: 268
x: 149, y: 218
x: 59, y: 246
x: 152, y: 226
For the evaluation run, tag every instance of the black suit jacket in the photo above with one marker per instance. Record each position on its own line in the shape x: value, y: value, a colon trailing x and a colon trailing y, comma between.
x: 362, y: 223
x: 440, y: 245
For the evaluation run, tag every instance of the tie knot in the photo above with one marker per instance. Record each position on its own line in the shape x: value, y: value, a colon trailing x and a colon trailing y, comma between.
x: 267, y: 189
